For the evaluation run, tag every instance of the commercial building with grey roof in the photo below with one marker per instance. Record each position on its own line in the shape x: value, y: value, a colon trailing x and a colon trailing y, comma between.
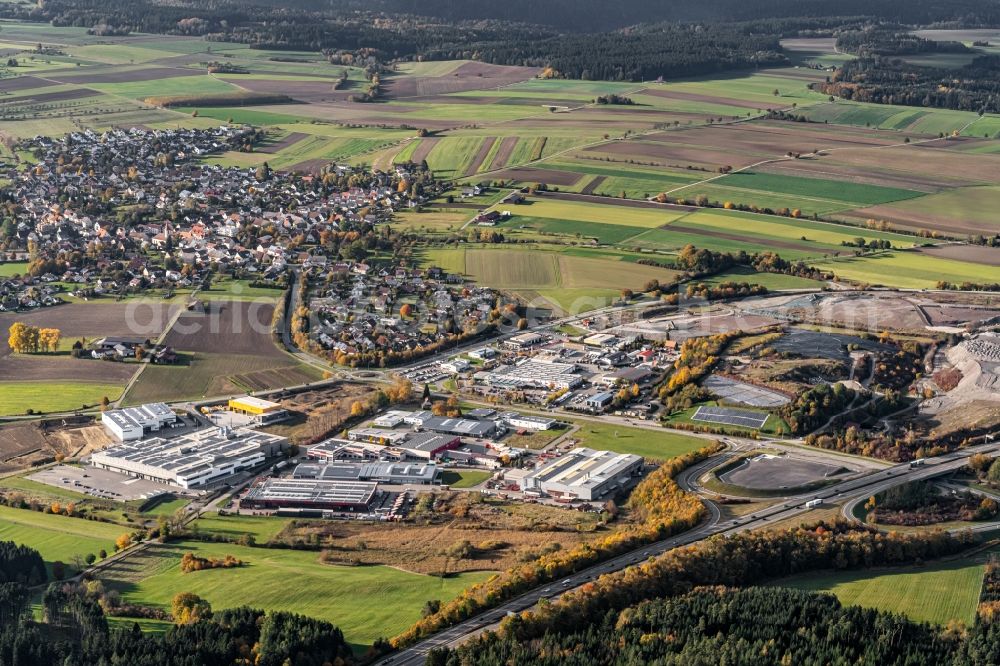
x: 134, y: 423
x: 194, y: 460
x: 380, y: 472
x: 584, y: 474
x: 310, y: 494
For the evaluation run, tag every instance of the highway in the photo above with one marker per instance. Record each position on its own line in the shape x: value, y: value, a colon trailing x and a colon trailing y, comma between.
x: 851, y: 492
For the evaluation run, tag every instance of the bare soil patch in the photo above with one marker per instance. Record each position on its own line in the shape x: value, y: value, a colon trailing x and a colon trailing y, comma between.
x: 976, y: 254
x: 290, y: 140
x: 112, y: 75
x: 24, y: 83
x: 484, y: 150
x: 708, y: 99
x: 677, y: 154
x: 593, y: 185
x: 40, y: 368
x: 227, y: 327
x: 547, y: 176
x: 504, y: 152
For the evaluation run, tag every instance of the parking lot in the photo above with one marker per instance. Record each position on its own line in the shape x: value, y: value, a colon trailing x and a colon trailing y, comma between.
x: 102, y: 483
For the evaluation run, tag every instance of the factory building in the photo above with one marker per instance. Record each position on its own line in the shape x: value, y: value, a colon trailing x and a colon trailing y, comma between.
x: 310, y: 495
x: 263, y: 411
x: 534, y: 374
x: 134, y: 423
x: 583, y: 474
x: 379, y: 472
x: 191, y: 461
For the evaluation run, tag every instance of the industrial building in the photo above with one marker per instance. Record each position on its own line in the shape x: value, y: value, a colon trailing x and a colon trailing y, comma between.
x: 194, y: 460
x: 377, y: 436
x: 523, y: 341
x: 583, y: 474
x: 427, y: 445
x: 461, y: 427
x: 342, y: 449
x: 524, y: 422
x: 379, y: 472
x: 263, y: 411
x: 134, y: 423
x: 534, y: 374
x: 310, y: 495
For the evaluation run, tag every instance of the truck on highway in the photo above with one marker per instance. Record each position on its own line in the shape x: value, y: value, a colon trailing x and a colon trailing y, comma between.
x: 813, y: 503
x: 919, y: 462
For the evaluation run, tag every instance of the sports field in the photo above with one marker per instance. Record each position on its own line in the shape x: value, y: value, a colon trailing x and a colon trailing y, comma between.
x: 937, y: 592
x: 366, y: 602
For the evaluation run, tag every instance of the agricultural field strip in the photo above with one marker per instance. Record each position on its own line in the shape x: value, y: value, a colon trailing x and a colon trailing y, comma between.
x: 824, y: 150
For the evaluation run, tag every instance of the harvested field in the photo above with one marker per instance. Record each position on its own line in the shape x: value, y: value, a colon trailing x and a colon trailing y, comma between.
x: 469, y: 76
x: 16, y: 367
x: 318, y: 90
x: 680, y: 155
x: 976, y: 254
x: 484, y: 150
x: 229, y: 327
x: 262, y: 380
x: 119, y: 75
x: 59, y: 96
x: 145, y: 319
x: 706, y: 99
x: 24, y: 83
x: 290, y: 140
x: 547, y: 176
x: 504, y: 152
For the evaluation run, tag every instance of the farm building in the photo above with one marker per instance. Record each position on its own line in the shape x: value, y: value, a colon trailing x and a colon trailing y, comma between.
x: 583, y: 474
x: 310, y: 494
x: 133, y: 423
x: 191, y: 461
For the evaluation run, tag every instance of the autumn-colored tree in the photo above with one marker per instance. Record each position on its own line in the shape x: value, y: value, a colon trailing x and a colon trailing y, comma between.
x: 406, y: 311
x: 188, y: 608
x: 22, y: 338
x: 357, y: 408
x: 123, y: 542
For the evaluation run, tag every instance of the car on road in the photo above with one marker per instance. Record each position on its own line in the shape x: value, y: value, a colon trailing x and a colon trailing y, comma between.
x: 567, y: 582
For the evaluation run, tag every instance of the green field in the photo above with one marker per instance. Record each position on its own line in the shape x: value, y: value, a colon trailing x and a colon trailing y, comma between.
x: 647, y: 442
x: 366, y: 602
x: 47, y: 397
x: 263, y: 528
x: 10, y: 268
x: 938, y: 592
x: 57, y: 538
x: 909, y: 270
x: 464, y: 478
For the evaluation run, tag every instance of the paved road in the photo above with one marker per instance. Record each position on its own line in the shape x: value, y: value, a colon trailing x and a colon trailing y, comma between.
x: 853, y: 491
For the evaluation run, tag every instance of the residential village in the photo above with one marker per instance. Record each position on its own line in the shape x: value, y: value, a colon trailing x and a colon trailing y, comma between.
x: 128, y: 211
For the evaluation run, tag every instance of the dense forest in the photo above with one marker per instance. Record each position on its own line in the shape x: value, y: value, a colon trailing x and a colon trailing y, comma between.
x: 725, y: 626
x: 975, y: 87
x: 887, y: 40
x: 572, y: 38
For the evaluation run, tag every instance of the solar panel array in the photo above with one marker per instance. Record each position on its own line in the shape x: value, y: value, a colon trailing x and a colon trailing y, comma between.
x: 729, y: 416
